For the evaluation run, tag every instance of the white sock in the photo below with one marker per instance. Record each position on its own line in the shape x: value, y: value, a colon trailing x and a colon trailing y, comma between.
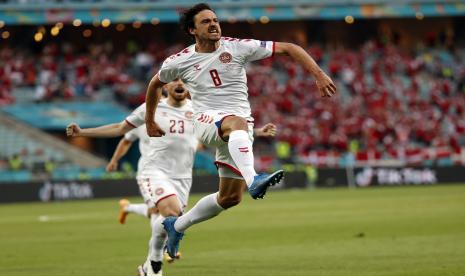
x: 206, y: 208
x: 158, y: 239
x: 240, y: 148
x: 140, y: 209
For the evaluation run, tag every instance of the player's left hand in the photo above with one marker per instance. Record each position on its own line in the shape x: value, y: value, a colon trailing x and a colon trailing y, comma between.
x: 325, y: 85
x: 112, y: 166
x: 268, y: 130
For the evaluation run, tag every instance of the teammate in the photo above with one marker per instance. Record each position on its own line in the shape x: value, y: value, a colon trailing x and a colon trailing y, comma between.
x: 165, y: 172
x: 214, y: 71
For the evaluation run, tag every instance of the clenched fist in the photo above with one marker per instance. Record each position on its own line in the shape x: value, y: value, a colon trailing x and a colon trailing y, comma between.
x: 268, y: 130
x: 112, y: 166
x: 154, y: 130
x: 73, y: 130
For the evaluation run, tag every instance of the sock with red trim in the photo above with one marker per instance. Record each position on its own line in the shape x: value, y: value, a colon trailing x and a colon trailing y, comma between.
x: 206, y: 208
x: 158, y: 239
x: 240, y: 148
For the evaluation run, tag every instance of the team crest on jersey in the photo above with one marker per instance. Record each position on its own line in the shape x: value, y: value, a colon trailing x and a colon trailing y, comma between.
x: 188, y: 114
x: 159, y: 191
x: 225, y: 57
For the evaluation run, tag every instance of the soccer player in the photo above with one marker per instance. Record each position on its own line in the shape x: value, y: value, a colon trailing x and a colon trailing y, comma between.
x: 214, y: 71
x: 165, y: 172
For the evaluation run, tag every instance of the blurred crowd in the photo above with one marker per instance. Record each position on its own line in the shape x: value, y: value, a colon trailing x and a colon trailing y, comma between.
x: 392, y: 103
x: 66, y: 73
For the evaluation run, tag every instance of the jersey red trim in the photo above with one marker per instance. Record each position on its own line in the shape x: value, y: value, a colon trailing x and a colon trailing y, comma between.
x: 129, y: 123
x: 165, y: 197
x: 218, y: 163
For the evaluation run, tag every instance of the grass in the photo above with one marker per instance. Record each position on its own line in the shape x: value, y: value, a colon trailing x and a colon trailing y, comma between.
x: 375, y: 231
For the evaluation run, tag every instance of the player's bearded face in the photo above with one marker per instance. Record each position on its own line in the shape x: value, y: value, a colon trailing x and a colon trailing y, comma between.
x: 207, y: 26
x: 177, y: 90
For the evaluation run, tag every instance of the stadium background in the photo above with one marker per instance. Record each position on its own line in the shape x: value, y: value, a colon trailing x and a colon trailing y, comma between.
x: 398, y: 118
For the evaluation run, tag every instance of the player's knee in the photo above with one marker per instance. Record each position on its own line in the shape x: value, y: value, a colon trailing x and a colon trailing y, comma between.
x: 239, y: 124
x: 228, y: 201
x: 233, y: 123
x: 170, y: 211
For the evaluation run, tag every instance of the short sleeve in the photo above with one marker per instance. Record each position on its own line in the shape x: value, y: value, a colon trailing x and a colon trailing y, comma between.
x: 168, y: 71
x: 137, y: 117
x: 256, y: 49
x: 132, y: 135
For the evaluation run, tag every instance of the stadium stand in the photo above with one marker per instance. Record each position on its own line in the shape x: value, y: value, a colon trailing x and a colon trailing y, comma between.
x: 29, y: 154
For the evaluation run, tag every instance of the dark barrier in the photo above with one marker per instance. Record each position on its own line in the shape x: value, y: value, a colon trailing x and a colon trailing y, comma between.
x: 331, y: 178
x: 69, y: 190
x: 389, y: 176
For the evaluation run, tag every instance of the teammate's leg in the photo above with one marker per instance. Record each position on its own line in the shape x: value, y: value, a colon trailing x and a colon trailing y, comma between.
x: 168, y: 206
x: 126, y: 207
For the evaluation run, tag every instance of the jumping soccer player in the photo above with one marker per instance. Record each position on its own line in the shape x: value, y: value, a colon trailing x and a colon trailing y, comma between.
x: 214, y: 71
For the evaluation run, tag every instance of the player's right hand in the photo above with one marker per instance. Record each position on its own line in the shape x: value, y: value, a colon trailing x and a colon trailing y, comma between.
x: 73, y: 130
x: 112, y: 166
x: 325, y: 85
x: 154, y: 130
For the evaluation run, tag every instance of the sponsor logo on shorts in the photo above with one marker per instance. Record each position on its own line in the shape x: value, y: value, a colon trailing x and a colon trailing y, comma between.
x: 225, y: 57
x: 263, y: 44
x: 159, y: 191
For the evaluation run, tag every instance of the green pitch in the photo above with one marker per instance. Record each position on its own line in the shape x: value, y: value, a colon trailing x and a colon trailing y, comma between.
x: 376, y: 231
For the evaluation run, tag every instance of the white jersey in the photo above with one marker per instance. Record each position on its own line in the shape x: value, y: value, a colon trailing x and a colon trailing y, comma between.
x: 144, y: 144
x: 171, y: 155
x: 217, y: 81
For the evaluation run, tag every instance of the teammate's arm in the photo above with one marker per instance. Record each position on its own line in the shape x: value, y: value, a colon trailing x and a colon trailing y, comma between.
x: 298, y: 54
x: 151, y: 102
x: 110, y: 130
x: 268, y: 130
x: 123, y: 146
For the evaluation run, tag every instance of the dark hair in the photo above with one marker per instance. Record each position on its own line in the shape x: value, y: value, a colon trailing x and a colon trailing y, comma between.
x: 187, y: 17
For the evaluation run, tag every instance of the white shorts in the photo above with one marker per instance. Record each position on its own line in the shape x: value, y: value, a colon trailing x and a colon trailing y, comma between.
x: 154, y: 189
x: 207, y: 130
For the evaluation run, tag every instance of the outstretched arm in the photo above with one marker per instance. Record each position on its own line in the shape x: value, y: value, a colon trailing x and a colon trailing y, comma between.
x: 151, y: 102
x: 123, y: 146
x: 323, y: 81
x: 268, y: 130
x: 111, y: 130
